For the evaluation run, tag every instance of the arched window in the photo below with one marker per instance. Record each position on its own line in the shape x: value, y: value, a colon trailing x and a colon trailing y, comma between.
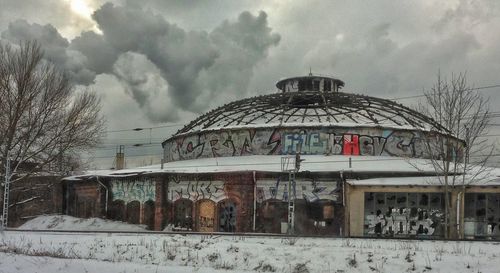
x: 133, y: 212
x: 205, y: 216
x: 117, y: 210
x: 149, y: 214
x: 227, y: 215
x: 183, y: 209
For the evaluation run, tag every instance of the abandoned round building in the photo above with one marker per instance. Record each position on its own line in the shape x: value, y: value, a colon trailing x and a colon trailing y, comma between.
x: 308, y: 159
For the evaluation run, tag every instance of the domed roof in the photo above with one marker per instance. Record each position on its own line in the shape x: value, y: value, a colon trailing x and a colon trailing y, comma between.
x: 312, y: 108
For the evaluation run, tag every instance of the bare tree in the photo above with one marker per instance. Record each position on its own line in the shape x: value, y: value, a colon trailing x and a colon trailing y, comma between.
x: 42, y: 119
x: 459, y: 155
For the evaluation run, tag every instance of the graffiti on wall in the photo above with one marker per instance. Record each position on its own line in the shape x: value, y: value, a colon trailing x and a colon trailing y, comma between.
x: 315, y: 141
x: 196, y: 190
x: 407, y: 221
x: 402, y: 214
x: 310, y: 190
x: 225, y: 143
x: 133, y: 190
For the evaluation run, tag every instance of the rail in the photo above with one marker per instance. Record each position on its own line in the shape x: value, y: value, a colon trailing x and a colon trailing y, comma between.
x: 245, y: 234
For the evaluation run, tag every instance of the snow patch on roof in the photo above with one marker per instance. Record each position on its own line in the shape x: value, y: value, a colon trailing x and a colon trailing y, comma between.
x: 273, y: 163
x: 490, y: 180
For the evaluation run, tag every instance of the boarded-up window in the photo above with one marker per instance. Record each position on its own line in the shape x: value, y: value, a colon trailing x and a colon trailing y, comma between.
x: 328, y: 212
x: 206, y: 216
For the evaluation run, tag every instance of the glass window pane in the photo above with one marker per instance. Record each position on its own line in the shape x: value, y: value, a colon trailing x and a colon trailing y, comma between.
x: 435, y: 201
x: 380, y: 199
x: 490, y: 207
x: 391, y: 199
x: 481, y: 207
x: 401, y: 199
x: 423, y: 201
x: 469, y: 206
x: 369, y: 203
x: 412, y: 200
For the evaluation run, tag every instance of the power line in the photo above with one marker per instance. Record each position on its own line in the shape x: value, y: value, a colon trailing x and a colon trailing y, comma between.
x: 181, y: 124
x: 308, y: 162
x: 131, y: 140
x: 135, y: 146
x: 475, y: 88
x: 145, y: 128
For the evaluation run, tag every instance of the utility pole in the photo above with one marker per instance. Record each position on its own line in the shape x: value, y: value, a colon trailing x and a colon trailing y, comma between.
x: 6, y: 191
x: 292, y: 170
x: 291, y: 202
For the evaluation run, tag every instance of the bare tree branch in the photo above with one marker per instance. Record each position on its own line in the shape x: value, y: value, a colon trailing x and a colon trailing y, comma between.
x: 42, y: 119
x: 465, y: 114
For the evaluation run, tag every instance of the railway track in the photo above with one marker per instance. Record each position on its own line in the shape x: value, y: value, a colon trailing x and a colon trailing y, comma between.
x: 238, y: 234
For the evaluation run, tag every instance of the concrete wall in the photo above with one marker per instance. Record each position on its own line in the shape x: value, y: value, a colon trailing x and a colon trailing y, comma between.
x: 286, y: 141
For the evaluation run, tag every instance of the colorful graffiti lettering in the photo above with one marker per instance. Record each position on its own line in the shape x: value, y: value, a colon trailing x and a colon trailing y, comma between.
x: 136, y: 190
x: 393, y: 214
x: 414, y: 221
x: 327, y: 141
x: 197, y: 190
x: 309, y: 190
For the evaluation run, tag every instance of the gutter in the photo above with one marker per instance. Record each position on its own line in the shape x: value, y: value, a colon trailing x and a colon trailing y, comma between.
x: 107, y: 194
x: 254, y: 200
x: 459, y: 202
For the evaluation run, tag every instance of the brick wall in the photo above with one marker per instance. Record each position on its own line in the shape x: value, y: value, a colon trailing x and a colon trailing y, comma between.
x: 34, y: 196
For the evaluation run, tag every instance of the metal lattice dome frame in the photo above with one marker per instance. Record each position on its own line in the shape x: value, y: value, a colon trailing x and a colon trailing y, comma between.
x: 312, y: 108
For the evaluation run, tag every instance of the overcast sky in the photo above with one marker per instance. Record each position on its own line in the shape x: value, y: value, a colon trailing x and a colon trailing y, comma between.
x: 158, y: 62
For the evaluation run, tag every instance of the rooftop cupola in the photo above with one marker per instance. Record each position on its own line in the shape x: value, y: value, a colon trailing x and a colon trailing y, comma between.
x: 310, y: 83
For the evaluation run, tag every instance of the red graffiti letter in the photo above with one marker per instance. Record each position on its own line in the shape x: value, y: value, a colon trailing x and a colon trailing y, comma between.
x: 351, y: 145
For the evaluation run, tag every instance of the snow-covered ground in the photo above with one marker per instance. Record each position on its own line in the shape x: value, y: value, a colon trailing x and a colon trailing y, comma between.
x: 57, y: 251
x: 65, y: 222
x: 60, y: 252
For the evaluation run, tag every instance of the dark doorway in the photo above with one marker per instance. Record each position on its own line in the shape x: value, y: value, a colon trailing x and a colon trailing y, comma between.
x: 133, y: 212
x: 116, y: 210
x: 183, y: 209
x: 149, y: 214
x: 227, y: 216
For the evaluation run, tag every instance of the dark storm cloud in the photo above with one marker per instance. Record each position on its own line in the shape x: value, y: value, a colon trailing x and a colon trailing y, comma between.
x: 54, y: 46
x: 244, y: 43
x: 142, y: 80
x: 179, y: 55
x: 197, y: 67
x: 100, y: 55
